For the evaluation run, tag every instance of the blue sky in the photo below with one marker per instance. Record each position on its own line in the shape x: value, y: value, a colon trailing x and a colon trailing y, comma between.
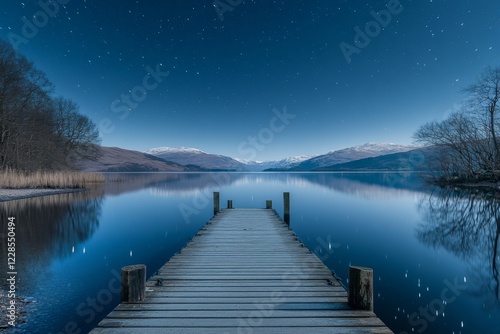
x: 232, y: 73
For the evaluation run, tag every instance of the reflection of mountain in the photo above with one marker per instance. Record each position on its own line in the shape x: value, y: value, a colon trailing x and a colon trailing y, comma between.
x: 192, y: 183
x: 467, y: 224
x: 369, y: 185
x: 48, y: 227
x: 167, y: 183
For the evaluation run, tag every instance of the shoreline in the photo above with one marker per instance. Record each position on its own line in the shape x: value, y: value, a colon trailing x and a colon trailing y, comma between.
x: 15, y: 194
x: 482, y: 185
x: 493, y: 185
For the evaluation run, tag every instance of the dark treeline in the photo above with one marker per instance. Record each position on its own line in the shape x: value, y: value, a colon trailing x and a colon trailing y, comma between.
x: 467, y: 141
x: 37, y: 130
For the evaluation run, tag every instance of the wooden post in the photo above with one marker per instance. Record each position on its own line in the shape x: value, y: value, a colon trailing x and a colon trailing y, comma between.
x: 361, y: 288
x: 286, y: 204
x: 133, y: 283
x: 229, y: 203
x: 269, y: 204
x: 216, y: 202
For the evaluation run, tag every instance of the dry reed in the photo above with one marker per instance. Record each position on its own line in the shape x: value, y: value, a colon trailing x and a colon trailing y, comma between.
x: 42, y: 179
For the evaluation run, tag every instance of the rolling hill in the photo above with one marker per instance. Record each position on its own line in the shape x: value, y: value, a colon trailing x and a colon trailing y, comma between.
x: 114, y: 159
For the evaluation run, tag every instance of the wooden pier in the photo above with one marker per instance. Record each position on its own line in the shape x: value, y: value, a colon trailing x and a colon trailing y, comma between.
x: 244, y: 272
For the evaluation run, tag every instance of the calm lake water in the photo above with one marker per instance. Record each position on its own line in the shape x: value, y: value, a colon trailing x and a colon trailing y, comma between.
x: 434, y: 253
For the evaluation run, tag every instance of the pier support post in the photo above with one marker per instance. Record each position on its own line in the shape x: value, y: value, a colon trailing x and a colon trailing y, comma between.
x: 286, y: 211
x: 133, y: 283
x: 216, y: 202
x: 229, y: 203
x: 269, y: 204
x: 361, y: 288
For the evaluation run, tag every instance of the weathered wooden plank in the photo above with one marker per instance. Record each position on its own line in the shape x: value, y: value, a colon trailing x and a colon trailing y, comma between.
x: 235, y: 265
x: 235, y: 323
x: 255, y: 260
x: 256, y: 330
x: 239, y: 294
x: 236, y: 276
x: 245, y: 271
x: 229, y: 300
x: 264, y: 311
x: 235, y: 306
x: 247, y: 289
x: 292, y: 283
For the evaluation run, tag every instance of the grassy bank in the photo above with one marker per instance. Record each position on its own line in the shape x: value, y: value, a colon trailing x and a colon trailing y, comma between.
x: 53, y: 180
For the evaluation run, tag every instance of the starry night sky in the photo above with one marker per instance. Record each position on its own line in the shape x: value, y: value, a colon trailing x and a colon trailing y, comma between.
x: 228, y: 72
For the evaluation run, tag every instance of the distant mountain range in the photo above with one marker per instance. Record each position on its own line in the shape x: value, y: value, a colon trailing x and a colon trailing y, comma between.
x: 284, y: 164
x: 195, y: 157
x: 415, y: 160
x: 114, y: 159
x: 370, y: 156
x: 345, y: 155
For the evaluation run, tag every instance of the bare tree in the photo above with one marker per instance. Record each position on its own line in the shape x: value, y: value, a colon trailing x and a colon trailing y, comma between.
x: 77, y: 134
x: 24, y: 95
x: 466, y: 142
x: 483, y: 97
x: 37, y: 131
x: 458, y: 142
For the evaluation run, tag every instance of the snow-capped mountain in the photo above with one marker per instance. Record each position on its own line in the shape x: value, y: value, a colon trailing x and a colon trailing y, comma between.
x: 189, y: 156
x: 293, y: 161
x: 286, y: 163
x: 161, y: 150
x: 383, y: 148
x: 368, y: 150
x: 192, y: 156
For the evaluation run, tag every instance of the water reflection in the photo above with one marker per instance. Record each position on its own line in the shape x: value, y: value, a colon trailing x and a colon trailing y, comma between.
x: 167, y: 183
x: 366, y: 219
x: 48, y: 227
x: 467, y: 223
x: 368, y: 185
